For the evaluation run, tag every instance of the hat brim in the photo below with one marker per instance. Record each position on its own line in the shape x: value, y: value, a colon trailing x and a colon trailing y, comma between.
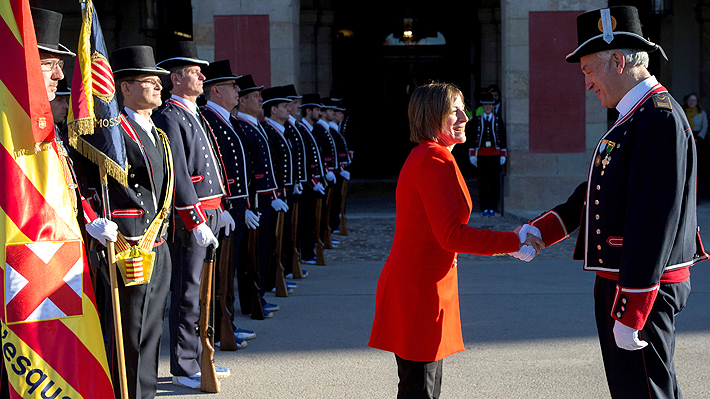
x: 487, y: 102
x: 181, y: 61
x: 339, y: 109
x: 243, y: 92
x: 622, y: 40
x: 312, y: 105
x: 294, y: 97
x: 277, y: 100
x: 122, y: 73
x: 60, y: 51
x: 221, y: 79
x: 62, y: 93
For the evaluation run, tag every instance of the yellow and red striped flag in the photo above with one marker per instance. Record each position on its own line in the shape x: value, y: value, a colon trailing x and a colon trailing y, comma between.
x: 51, y: 337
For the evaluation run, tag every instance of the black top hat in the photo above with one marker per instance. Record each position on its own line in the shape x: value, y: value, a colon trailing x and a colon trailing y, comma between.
x: 62, y: 88
x: 134, y: 60
x: 311, y: 100
x: 329, y: 103
x: 218, y: 71
x: 291, y: 92
x: 179, y: 53
x: 610, y: 29
x: 48, y: 24
x: 246, y: 85
x: 487, y: 98
x: 273, y: 96
x: 336, y: 95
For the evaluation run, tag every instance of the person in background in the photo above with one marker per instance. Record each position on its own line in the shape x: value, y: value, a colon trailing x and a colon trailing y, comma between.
x: 60, y: 105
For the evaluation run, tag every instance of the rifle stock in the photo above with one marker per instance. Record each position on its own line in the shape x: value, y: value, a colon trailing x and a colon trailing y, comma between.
x: 320, y: 256
x: 226, y: 288
x: 343, y: 221
x: 281, y: 289
x: 297, y: 270
x: 328, y: 207
x: 208, y: 378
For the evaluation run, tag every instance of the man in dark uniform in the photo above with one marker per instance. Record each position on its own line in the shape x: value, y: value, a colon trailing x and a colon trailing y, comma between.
x: 316, y: 172
x: 60, y: 104
x: 488, y: 154
x: 266, y: 186
x: 199, y: 188
x: 222, y: 95
x: 343, y: 156
x: 145, y: 201
x: 637, y: 212
x: 329, y: 151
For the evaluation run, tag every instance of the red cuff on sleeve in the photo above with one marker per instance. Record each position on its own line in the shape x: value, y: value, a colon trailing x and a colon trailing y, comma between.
x: 551, y: 227
x: 89, y: 214
x: 504, y: 152
x: 315, y: 180
x: 632, y: 305
x: 192, y: 216
x: 471, y: 152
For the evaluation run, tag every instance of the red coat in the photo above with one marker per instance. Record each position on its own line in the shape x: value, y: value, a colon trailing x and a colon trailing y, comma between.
x: 417, y: 305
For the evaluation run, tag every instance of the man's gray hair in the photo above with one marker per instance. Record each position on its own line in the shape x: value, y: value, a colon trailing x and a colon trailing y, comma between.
x: 167, y: 80
x: 634, y: 57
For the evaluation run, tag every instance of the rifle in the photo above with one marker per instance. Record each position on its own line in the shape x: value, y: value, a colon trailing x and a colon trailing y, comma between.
x: 328, y: 207
x: 208, y: 380
x: 297, y: 270
x: 257, y: 312
x: 320, y: 256
x: 343, y: 221
x: 226, y: 290
x: 281, y: 289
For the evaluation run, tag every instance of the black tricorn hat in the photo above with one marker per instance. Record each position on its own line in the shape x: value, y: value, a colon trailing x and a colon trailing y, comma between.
x: 291, y: 92
x: 487, y: 98
x: 179, y: 53
x: 246, y: 85
x: 311, y: 100
x: 274, y: 95
x: 610, y: 28
x: 218, y: 71
x: 134, y: 60
x: 48, y: 25
x: 62, y: 88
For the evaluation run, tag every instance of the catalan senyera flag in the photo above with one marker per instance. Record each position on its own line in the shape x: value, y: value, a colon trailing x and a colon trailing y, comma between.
x: 51, y: 337
x: 93, y: 118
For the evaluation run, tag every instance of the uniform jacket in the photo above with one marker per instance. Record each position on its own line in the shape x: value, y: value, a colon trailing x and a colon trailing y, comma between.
x: 636, y: 212
x: 496, y: 137
x: 133, y: 208
x: 417, y: 304
x: 326, y: 144
x: 283, y: 156
x: 257, y: 145
x: 237, y: 163
x: 341, y: 146
x: 298, y: 149
x: 198, y: 164
x: 314, y: 161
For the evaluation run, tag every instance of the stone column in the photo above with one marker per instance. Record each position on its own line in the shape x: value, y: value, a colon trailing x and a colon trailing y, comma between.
x: 316, y: 51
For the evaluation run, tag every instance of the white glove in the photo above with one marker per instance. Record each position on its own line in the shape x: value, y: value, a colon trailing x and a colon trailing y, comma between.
x: 204, y: 236
x: 627, y: 338
x: 251, y: 219
x: 474, y: 160
x: 319, y: 188
x: 345, y: 174
x: 103, y: 229
x: 525, y: 253
x: 502, y: 160
x: 279, y: 205
x: 298, y: 188
x: 224, y: 219
x: 330, y: 176
x: 528, y: 229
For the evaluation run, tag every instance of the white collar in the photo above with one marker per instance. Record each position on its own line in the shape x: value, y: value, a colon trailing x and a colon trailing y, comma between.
x: 488, y: 117
x: 292, y: 119
x: 248, y: 117
x: 308, y: 125
x: 277, y: 125
x: 189, y: 104
x: 324, y: 124
x: 145, y: 124
x: 634, y: 95
x: 220, y: 109
x: 334, y: 126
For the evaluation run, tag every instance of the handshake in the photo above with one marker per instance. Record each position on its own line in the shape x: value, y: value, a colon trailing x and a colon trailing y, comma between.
x: 530, y: 243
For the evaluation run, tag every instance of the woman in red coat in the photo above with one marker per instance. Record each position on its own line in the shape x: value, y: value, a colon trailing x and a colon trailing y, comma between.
x: 417, y: 306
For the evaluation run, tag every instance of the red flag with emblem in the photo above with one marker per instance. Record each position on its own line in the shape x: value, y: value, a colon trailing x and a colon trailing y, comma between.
x: 51, y: 337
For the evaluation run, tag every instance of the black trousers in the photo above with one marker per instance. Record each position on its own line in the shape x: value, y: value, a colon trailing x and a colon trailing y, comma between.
x: 142, y: 311
x: 489, y: 181
x: 419, y: 380
x: 188, y: 257
x: 648, y: 373
x: 287, y: 245
x: 337, y: 201
x: 267, y: 223
x: 307, y: 222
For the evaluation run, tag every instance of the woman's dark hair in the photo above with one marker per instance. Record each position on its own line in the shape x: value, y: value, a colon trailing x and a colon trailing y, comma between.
x: 428, y: 108
x: 685, y: 101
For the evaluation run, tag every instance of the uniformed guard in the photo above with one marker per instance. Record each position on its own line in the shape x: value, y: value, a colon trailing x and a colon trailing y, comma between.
x: 222, y: 95
x: 311, y: 113
x: 329, y: 151
x: 199, y: 188
x: 488, y: 154
x: 60, y: 105
x: 636, y: 212
x: 266, y: 186
x: 141, y: 211
x: 334, y: 115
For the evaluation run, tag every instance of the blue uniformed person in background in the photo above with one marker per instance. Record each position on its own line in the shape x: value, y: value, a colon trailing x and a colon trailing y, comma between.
x: 637, y: 212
